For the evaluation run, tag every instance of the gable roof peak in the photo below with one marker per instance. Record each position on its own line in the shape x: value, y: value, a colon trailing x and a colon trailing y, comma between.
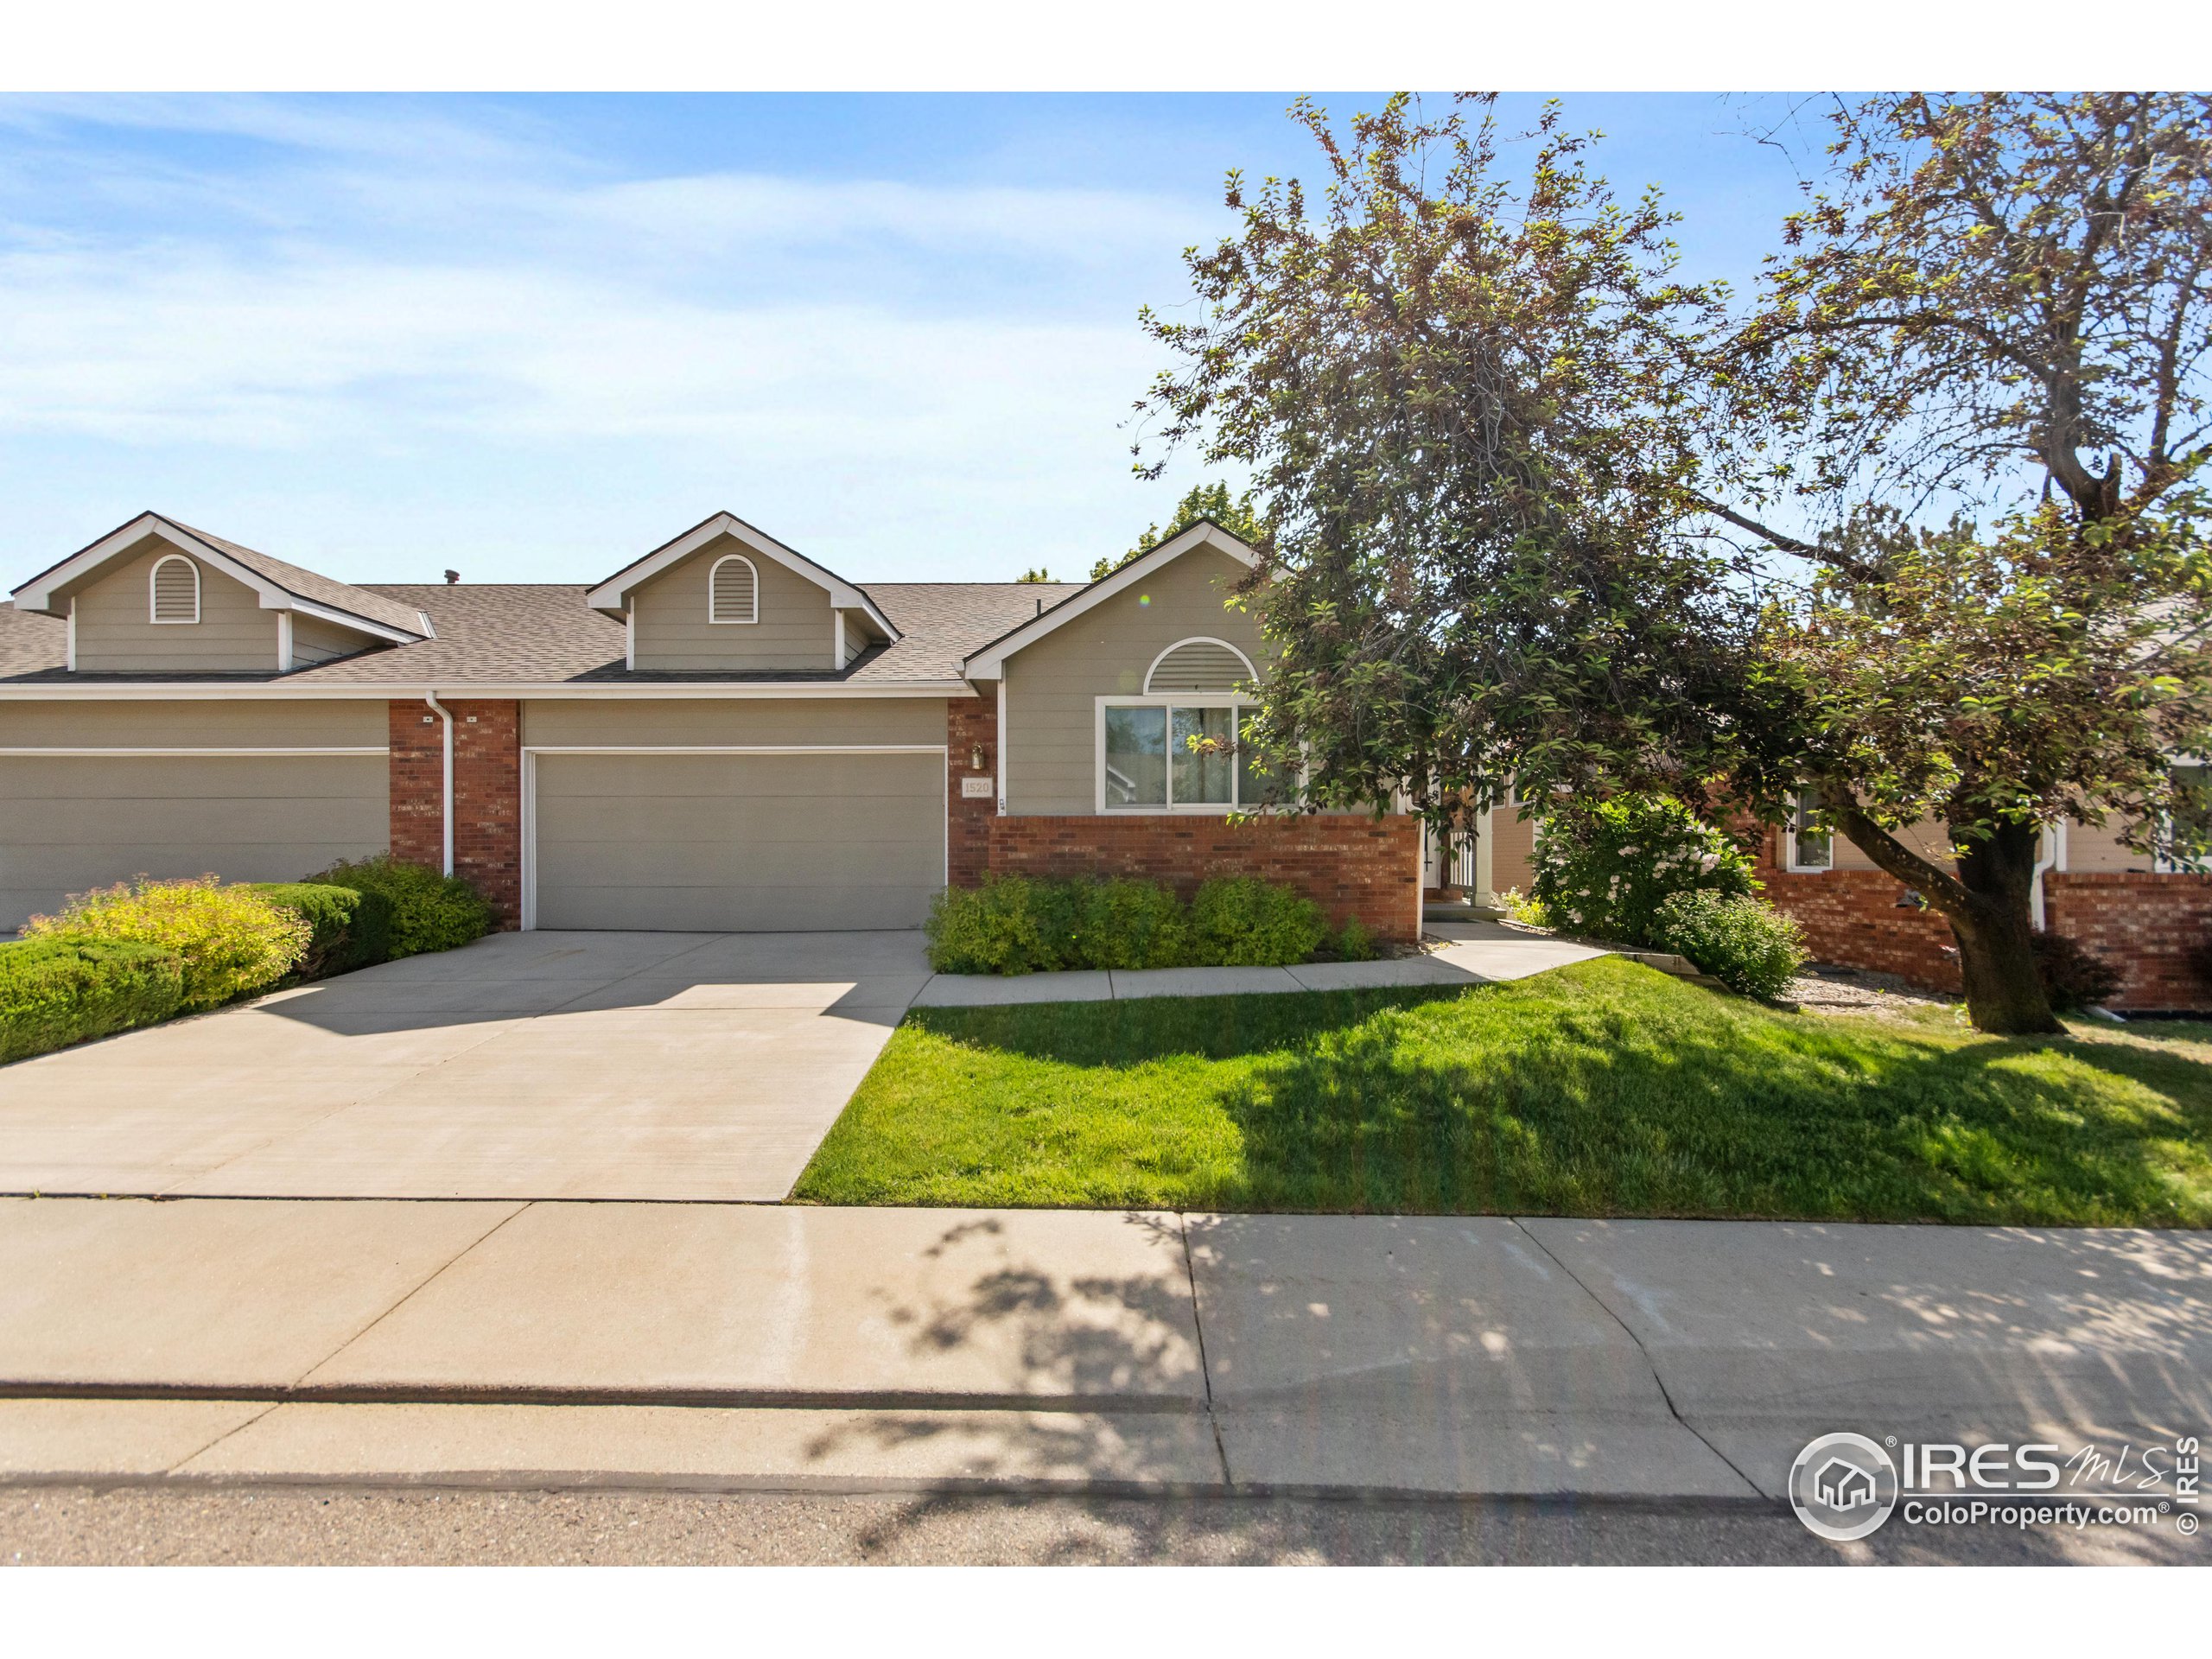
x: 989, y: 662
x: 279, y: 586
x: 611, y: 596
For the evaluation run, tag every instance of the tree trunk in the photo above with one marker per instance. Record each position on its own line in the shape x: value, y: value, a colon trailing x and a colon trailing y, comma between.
x: 1988, y: 905
x: 1996, y: 934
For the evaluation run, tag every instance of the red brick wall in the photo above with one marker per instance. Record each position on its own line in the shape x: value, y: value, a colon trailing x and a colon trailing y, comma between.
x: 969, y: 723
x: 1852, y: 918
x: 417, y: 761
x: 486, y: 789
x: 2145, y: 926
x: 1350, y: 866
x: 2148, y: 926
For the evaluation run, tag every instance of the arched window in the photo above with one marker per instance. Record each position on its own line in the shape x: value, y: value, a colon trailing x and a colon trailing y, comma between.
x: 733, y: 590
x: 1201, y: 665
x: 173, y: 591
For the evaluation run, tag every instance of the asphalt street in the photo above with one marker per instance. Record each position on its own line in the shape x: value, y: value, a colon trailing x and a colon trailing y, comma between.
x: 332, y: 1526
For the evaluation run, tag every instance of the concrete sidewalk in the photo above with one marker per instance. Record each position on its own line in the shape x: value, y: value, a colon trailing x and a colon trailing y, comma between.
x: 741, y: 1347
x: 1472, y: 953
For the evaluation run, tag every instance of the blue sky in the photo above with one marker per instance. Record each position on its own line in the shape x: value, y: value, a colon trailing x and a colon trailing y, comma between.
x: 532, y: 337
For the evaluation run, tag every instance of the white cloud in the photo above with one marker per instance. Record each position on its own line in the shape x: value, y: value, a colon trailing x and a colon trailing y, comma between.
x: 918, y: 364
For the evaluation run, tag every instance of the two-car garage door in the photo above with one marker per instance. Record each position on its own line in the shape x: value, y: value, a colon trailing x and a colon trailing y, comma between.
x: 74, y: 820
x: 742, y: 841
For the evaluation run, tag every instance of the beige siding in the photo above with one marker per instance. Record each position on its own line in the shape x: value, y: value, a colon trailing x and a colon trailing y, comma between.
x: 1512, y: 851
x: 255, y: 724
x: 2096, y: 847
x: 734, y: 721
x: 314, y: 640
x: 1053, y: 686
x: 114, y: 634
x: 1927, y: 838
x: 72, y: 822
x: 705, y: 843
x: 792, y: 635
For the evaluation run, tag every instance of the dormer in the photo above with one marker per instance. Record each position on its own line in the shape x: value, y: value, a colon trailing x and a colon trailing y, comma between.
x: 725, y: 598
x: 159, y: 598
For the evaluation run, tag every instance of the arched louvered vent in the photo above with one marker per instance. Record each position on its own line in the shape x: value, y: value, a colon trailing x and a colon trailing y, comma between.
x: 1199, y: 665
x: 733, y: 590
x: 175, y: 590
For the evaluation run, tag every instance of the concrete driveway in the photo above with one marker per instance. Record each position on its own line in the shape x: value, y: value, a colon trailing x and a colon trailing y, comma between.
x: 527, y: 1066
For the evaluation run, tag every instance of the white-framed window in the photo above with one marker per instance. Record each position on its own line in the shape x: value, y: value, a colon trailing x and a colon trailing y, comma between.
x: 2192, y: 809
x: 1178, y: 753
x: 733, y: 590
x: 173, y: 590
x: 1808, y: 843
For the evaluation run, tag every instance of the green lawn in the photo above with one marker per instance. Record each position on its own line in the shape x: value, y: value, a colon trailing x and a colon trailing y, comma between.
x: 1604, y: 1089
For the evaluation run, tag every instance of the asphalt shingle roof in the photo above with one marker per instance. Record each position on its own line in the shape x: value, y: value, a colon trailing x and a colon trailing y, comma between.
x: 543, y: 633
x: 369, y: 603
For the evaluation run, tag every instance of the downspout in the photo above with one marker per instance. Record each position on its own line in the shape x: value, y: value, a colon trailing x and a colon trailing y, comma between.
x: 2046, y: 858
x: 446, y: 793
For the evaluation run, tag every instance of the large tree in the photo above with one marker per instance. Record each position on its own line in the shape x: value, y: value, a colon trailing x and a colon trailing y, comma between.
x: 1977, y: 376
x: 1464, y: 402
x: 1540, y: 511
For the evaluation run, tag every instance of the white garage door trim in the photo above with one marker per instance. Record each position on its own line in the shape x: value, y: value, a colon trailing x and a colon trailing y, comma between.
x: 529, y: 789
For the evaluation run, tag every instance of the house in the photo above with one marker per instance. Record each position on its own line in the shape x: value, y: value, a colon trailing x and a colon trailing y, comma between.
x: 1844, y: 1486
x: 722, y: 734
x: 2150, y: 919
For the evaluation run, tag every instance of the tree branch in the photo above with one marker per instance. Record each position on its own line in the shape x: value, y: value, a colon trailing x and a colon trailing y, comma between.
x: 1893, y: 857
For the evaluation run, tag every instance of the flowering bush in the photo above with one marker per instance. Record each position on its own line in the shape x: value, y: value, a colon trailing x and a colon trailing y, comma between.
x: 1604, y: 870
x: 232, y: 940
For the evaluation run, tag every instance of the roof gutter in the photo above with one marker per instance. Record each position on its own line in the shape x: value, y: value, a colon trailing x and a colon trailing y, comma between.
x: 445, y: 795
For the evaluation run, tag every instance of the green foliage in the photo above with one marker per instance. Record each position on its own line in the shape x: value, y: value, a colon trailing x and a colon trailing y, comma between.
x: 429, y: 912
x: 1353, y: 943
x: 1748, y: 946
x: 58, y: 991
x: 353, y: 927
x: 1239, y: 515
x: 1035, y: 573
x: 1463, y: 382
x: 1955, y: 317
x: 1599, y: 1089
x: 1020, y: 925
x: 1129, y: 922
x: 1523, y: 908
x: 1604, y: 869
x: 2073, y: 977
x: 1010, y: 924
x: 231, y: 940
x: 1239, y: 921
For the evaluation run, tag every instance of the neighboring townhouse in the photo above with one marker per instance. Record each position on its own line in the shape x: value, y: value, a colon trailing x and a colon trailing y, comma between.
x: 2150, y: 919
x: 721, y: 735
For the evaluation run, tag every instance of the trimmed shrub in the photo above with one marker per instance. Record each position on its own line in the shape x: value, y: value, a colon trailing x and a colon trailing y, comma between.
x: 1011, y: 925
x: 2072, y: 978
x: 233, y: 941
x: 429, y: 912
x: 1129, y: 922
x: 353, y: 929
x: 57, y: 991
x: 1239, y: 921
x: 1748, y: 946
x: 1605, y: 869
x: 1519, y: 907
x: 1353, y: 943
